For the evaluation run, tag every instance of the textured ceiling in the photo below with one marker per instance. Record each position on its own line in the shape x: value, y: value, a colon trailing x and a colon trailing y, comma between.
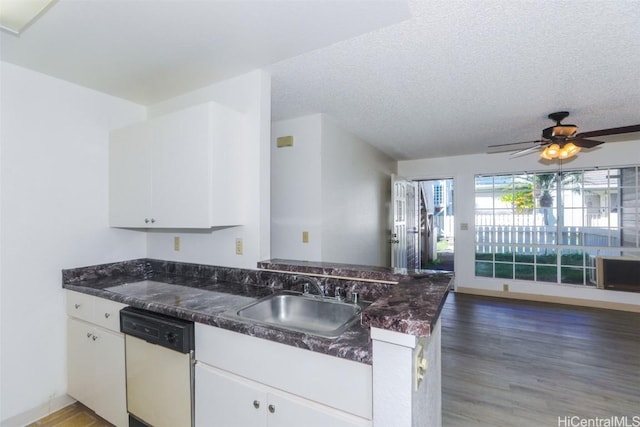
x: 439, y: 78
x: 461, y: 75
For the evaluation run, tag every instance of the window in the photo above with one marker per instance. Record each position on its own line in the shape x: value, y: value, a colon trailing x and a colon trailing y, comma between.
x: 438, y: 199
x: 550, y: 226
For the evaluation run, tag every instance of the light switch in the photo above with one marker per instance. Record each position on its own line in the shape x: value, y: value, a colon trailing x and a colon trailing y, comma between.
x: 464, y: 226
x: 239, y: 248
x: 305, y: 237
x: 176, y: 243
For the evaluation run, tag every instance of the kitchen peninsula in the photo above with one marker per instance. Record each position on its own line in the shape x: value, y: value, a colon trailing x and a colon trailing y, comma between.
x: 393, y: 354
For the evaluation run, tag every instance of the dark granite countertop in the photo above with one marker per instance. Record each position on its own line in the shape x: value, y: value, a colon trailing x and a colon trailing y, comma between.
x: 412, y: 306
x: 203, y: 293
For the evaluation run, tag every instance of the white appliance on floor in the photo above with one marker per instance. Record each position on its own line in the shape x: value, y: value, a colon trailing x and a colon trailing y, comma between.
x: 160, y: 365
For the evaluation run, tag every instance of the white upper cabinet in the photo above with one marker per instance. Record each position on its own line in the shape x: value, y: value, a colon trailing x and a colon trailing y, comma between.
x: 130, y: 176
x: 179, y: 170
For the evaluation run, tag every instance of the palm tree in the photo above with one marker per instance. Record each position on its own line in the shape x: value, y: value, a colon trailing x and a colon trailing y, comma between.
x: 546, y: 183
x: 541, y: 187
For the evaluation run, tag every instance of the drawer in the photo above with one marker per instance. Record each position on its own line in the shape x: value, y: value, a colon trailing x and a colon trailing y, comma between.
x: 80, y: 306
x: 107, y: 313
x: 99, y: 311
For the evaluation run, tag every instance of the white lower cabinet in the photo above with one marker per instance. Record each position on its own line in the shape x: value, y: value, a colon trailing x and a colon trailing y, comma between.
x: 243, y: 381
x: 222, y: 400
x: 95, y: 357
x: 227, y: 400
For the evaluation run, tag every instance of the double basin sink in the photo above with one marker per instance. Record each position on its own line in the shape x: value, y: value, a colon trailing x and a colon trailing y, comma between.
x: 322, y: 316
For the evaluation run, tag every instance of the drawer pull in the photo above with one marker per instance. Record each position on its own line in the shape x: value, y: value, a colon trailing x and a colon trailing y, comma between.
x: 107, y: 315
x: 272, y: 408
x: 256, y: 404
x: 77, y: 306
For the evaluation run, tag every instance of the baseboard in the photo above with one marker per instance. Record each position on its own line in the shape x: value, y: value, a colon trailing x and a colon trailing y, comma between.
x: 550, y: 298
x: 33, y: 415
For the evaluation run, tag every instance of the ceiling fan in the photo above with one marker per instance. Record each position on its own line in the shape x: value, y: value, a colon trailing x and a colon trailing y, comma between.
x: 562, y: 140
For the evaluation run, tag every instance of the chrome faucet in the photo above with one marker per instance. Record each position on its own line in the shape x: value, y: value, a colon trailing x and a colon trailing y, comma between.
x: 319, y: 288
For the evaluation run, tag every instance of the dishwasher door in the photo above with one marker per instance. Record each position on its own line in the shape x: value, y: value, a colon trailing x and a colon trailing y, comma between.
x: 159, y: 384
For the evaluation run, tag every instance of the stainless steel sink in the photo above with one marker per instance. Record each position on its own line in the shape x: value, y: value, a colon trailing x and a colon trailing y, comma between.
x: 325, y: 317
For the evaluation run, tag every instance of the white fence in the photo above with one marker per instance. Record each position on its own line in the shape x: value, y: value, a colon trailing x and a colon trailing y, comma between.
x: 525, y: 239
x: 572, y: 218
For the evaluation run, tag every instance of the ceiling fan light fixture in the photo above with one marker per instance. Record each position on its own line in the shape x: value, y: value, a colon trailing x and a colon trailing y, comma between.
x: 545, y: 155
x: 571, y: 148
x: 555, y: 151
x: 557, y: 141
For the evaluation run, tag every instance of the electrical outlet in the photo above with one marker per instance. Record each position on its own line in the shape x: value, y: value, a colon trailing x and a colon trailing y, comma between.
x: 505, y: 287
x: 176, y: 243
x: 239, y: 248
x: 305, y: 237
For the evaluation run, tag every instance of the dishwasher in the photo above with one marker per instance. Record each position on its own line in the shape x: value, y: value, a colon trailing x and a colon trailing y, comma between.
x: 159, y: 358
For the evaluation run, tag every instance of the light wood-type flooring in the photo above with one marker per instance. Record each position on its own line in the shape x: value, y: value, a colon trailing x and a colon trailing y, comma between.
x: 518, y: 363
x: 76, y: 415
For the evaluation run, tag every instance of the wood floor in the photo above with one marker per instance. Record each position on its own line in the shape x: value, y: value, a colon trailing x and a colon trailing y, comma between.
x: 519, y: 363
x: 76, y: 415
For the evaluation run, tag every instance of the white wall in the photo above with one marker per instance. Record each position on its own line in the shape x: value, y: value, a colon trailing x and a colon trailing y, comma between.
x: 333, y: 185
x: 53, y: 186
x: 296, y: 185
x: 251, y: 95
x: 356, y: 192
x: 464, y: 168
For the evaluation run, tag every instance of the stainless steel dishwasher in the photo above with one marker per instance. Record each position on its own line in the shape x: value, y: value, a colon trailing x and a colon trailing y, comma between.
x: 159, y: 355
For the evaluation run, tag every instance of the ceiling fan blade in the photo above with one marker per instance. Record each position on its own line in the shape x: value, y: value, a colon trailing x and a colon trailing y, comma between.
x: 514, y: 146
x: 612, y: 131
x: 586, y: 143
x: 526, y: 151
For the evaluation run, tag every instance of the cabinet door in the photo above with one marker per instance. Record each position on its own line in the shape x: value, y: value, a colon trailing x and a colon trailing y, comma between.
x: 230, y: 168
x: 223, y: 400
x: 95, y: 370
x: 290, y: 411
x: 110, y: 381
x: 181, y: 168
x: 130, y: 177
x: 80, y: 361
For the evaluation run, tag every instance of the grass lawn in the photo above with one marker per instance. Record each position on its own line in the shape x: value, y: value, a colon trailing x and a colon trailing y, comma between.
x: 542, y: 267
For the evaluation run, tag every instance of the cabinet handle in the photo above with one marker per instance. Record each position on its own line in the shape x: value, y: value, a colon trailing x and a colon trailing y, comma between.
x: 256, y: 404
x: 77, y: 306
x: 107, y: 315
x: 153, y: 220
x: 88, y: 334
x: 272, y: 408
x: 146, y: 220
x: 94, y: 337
